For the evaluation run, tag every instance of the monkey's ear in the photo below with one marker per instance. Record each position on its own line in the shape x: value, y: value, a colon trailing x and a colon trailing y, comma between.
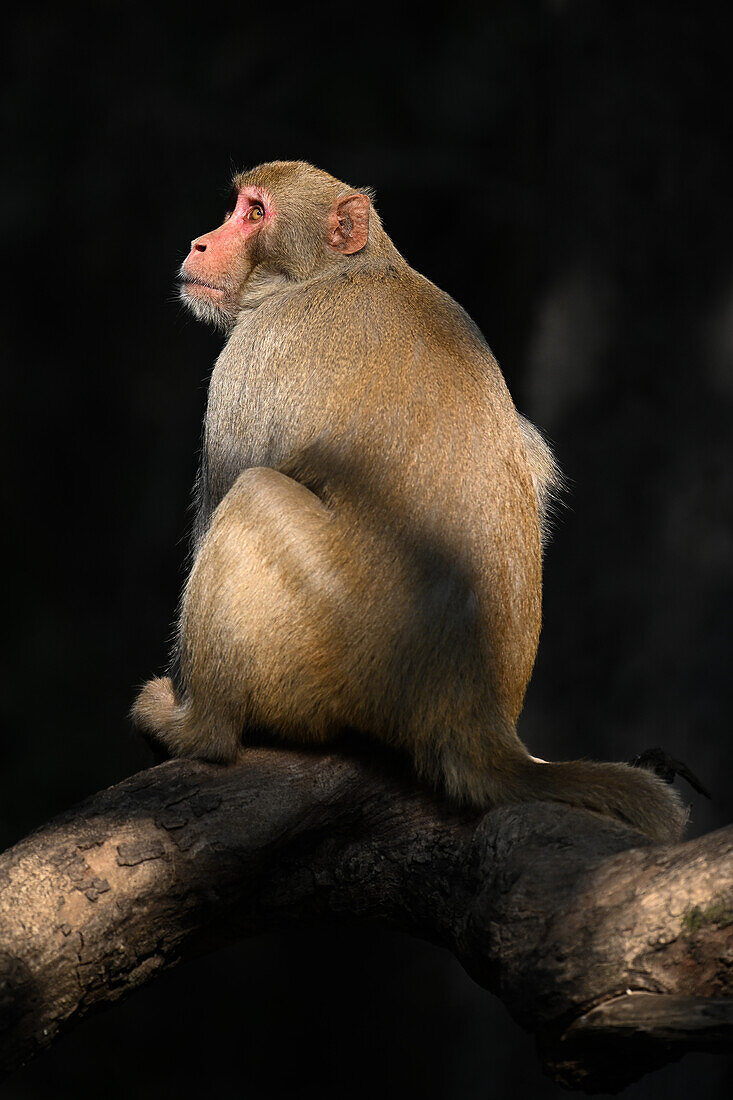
x: 348, y: 225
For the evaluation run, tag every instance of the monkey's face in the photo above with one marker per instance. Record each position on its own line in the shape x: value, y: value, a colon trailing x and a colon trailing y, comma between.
x: 286, y: 222
x: 214, y: 273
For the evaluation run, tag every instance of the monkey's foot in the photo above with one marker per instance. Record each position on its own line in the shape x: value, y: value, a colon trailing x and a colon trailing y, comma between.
x: 666, y: 767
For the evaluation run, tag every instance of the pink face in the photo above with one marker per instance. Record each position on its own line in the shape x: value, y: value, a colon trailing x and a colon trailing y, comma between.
x: 215, y: 272
x: 217, y: 265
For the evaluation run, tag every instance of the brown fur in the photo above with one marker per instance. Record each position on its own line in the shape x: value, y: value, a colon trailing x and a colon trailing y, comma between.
x: 368, y: 543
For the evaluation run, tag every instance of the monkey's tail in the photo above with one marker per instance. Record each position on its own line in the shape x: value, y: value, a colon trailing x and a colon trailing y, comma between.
x: 633, y: 795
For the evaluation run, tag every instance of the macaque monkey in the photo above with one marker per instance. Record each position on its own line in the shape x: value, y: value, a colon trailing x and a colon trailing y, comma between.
x: 370, y: 515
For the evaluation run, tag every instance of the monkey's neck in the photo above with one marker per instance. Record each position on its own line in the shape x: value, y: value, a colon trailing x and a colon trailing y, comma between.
x: 266, y: 282
x: 262, y: 284
x: 380, y: 249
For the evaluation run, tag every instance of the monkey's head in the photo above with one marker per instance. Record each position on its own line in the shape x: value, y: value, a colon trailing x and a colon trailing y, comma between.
x: 285, y: 222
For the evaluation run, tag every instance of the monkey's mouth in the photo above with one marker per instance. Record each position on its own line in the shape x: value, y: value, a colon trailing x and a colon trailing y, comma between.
x: 188, y: 281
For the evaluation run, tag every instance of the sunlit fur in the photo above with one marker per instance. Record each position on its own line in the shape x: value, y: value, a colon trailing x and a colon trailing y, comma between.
x: 206, y: 310
x: 367, y: 551
x: 547, y: 479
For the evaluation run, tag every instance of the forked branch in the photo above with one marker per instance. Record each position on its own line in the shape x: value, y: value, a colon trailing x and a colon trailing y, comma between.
x: 618, y: 955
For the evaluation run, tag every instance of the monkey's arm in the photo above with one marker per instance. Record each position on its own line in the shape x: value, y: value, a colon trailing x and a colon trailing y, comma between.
x: 615, y: 953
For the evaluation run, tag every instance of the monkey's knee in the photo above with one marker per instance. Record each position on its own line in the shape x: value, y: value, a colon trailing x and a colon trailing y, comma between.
x: 270, y: 497
x: 262, y: 637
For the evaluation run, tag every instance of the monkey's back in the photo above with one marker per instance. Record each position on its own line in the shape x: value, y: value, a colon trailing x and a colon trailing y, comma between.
x: 381, y: 396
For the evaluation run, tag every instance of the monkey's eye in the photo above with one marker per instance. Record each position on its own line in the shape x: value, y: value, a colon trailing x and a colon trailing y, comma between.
x: 256, y: 212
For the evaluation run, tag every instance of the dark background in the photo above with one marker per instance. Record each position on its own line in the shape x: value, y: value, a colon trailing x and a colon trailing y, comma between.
x: 564, y: 170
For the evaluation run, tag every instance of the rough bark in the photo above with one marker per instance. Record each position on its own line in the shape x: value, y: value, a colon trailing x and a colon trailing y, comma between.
x: 617, y: 954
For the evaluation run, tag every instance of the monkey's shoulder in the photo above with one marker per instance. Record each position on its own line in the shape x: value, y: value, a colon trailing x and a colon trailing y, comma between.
x: 400, y: 289
x: 397, y: 306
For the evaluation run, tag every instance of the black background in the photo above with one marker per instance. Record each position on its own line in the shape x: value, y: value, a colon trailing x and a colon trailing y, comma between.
x: 564, y: 170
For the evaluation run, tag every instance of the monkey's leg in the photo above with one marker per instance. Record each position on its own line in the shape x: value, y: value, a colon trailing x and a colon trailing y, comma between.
x: 261, y: 627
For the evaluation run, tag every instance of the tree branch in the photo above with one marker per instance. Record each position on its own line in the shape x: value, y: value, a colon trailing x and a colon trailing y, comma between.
x: 596, y: 941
